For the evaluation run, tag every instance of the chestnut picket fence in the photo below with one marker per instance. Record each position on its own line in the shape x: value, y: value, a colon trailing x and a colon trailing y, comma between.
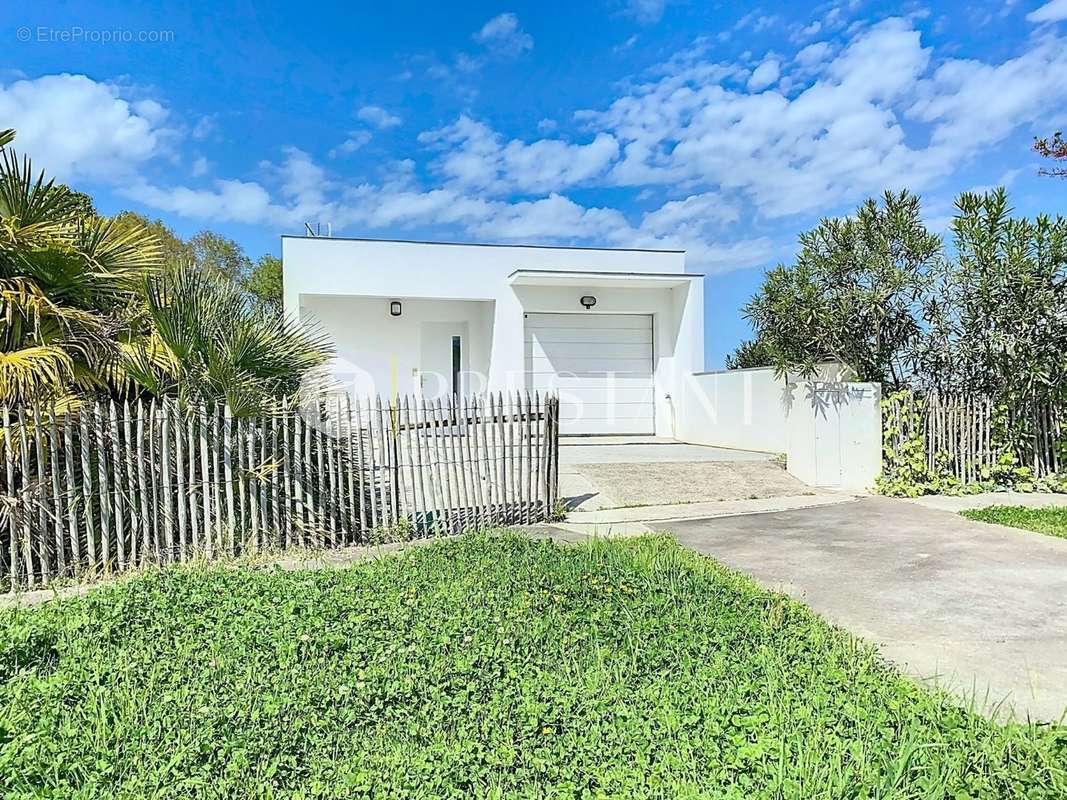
x: 969, y: 435
x: 114, y: 486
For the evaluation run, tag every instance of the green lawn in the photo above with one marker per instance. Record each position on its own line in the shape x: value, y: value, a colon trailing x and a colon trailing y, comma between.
x: 481, y: 667
x: 1049, y: 519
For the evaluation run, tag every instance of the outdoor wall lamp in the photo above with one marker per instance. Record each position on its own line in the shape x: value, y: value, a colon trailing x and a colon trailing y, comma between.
x: 588, y: 301
x: 395, y: 308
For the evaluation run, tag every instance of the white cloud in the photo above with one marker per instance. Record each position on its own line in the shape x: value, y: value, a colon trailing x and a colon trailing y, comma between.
x: 646, y: 11
x: 707, y: 145
x: 764, y: 75
x: 354, y: 141
x: 695, y: 213
x: 1053, y: 11
x: 846, y: 134
x: 477, y: 157
x: 228, y: 201
x: 378, y: 117
x: 503, y: 35
x: 81, y: 128
x: 973, y: 104
x: 813, y: 55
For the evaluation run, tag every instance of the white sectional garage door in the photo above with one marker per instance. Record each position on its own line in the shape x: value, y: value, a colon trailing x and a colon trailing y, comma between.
x: 601, y: 365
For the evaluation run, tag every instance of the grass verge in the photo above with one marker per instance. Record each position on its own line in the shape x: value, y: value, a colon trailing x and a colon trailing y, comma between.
x: 1051, y: 520
x: 488, y: 666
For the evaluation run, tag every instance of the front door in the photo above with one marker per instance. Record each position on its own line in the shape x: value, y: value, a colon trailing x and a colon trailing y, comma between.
x: 443, y: 370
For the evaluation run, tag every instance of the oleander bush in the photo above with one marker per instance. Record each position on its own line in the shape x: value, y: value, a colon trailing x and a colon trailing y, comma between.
x: 488, y: 666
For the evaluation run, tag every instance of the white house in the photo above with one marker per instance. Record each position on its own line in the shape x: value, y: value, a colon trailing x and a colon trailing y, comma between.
x: 615, y: 332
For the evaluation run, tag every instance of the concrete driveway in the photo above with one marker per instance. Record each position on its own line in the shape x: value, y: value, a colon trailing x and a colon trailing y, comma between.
x: 978, y: 609
x: 619, y: 472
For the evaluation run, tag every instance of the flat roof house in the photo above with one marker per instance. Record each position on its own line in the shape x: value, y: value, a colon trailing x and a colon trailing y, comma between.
x: 616, y: 332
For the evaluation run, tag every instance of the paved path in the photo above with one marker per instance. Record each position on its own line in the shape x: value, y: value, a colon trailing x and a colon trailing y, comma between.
x: 615, y: 472
x: 978, y: 608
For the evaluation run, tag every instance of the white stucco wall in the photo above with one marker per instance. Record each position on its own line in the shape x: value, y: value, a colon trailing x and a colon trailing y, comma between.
x: 346, y: 286
x: 829, y: 430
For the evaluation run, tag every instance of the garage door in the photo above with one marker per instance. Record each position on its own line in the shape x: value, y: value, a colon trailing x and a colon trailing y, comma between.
x: 601, y: 365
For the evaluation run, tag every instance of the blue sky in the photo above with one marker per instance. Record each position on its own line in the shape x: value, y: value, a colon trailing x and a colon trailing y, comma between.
x: 725, y: 129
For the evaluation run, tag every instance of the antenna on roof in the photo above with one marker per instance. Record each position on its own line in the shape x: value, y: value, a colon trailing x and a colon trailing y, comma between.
x: 317, y: 230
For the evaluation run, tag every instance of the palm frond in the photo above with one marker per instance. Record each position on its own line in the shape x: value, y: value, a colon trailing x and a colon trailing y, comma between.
x: 38, y: 208
x: 7, y: 136
x: 118, y: 251
x: 222, y: 346
x: 34, y: 372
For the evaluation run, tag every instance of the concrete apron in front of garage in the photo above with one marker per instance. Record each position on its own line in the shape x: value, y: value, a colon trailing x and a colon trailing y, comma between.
x: 618, y: 485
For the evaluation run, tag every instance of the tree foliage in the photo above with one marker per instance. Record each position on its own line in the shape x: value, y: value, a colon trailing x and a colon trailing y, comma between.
x: 877, y: 292
x: 997, y: 321
x: 751, y: 354
x: 66, y: 278
x: 1054, y: 148
x: 123, y: 305
x: 854, y: 293
x: 264, y: 282
x: 209, y: 341
x: 217, y: 254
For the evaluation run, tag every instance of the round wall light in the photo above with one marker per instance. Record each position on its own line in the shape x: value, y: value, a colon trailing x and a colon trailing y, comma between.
x: 588, y: 301
x: 395, y: 308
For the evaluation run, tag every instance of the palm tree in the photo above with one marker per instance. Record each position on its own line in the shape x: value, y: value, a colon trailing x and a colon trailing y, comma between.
x: 209, y: 342
x: 66, y: 283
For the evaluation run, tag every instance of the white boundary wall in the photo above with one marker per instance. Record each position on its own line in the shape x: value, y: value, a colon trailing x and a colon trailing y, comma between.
x: 829, y: 430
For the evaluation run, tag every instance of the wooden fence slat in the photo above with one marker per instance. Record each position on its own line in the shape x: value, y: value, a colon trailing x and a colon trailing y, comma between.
x: 289, y: 490
x: 43, y: 512
x: 298, y: 478
x: 342, y: 482
x: 191, y: 418
x: 14, y: 574
x: 227, y: 466
x: 330, y: 487
x: 165, y: 470
x: 448, y: 509
x: 117, y: 476
x: 59, y: 496
x: 252, y: 485
x: 87, y: 486
x: 387, y: 482
x: 104, y: 495
x: 494, y: 431
x: 206, y: 482
x: 24, y: 511
x: 147, y: 530
x: 240, y: 488
x: 73, y: 532
x: 179, y: 475
x: 368, y: 503
x: 484, y: 467
x: 437, y: 488
x: 312, y: 499
x: 355, y: 466
x: 264, y: 473
x: 467, y: 468
x: 131, y: 482
x: 407, y: 434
